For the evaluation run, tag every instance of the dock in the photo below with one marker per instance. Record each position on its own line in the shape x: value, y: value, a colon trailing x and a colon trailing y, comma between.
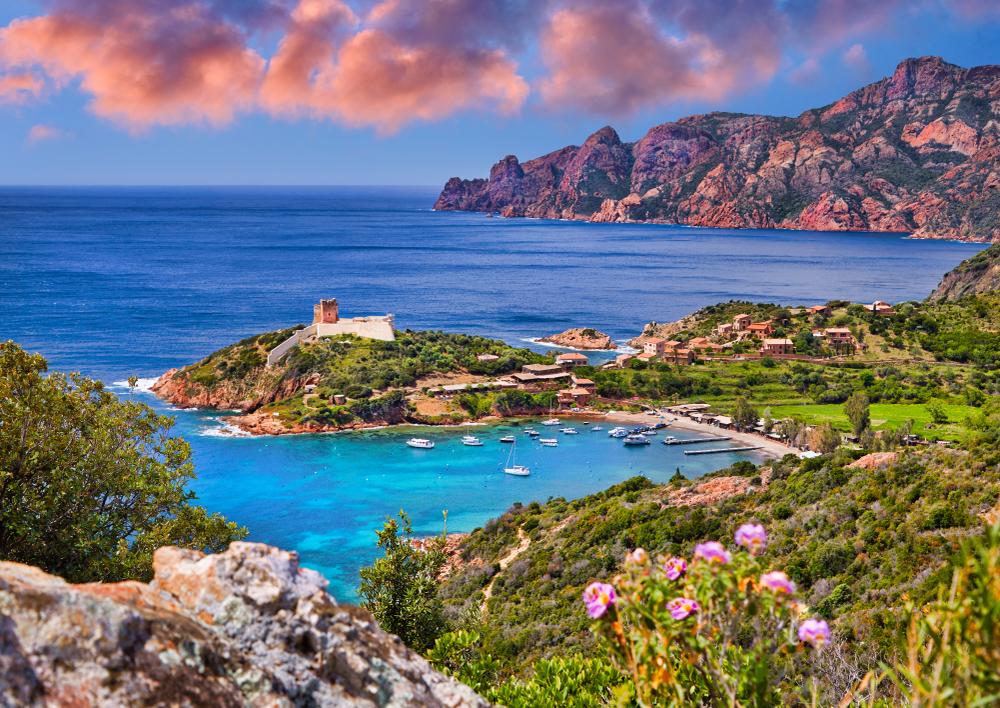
x: 693, y: 441
x: 722, y: 449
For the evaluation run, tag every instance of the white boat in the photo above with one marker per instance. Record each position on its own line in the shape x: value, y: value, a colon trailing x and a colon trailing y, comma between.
x: 551, y: 421
x: 569, y: 431
x: 596, y: 428
x: 549, y: 442
x: 531, y: 431
x: 420, y: 443
x: 649, y: 432
x: 507, y: 438
x: 636, y: 440
x: 471, y: 441
x: 618, y: 432
x: 667, y: 440
x: 512, y: 467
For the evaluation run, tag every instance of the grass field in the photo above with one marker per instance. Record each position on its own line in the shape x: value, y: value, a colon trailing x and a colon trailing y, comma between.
x: 883, y: 415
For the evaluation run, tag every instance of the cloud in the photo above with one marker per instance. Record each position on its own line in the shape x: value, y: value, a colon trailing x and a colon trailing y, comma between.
x: 147, y: 62
x: 808, y: 72
x: 19, y: 89
x: 857, y: 59
x: 39, y: 133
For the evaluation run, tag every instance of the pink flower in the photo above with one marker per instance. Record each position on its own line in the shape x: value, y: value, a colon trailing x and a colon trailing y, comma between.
x: 816, y: 632
x: 637, y: 557
x: 713, y: 552
x: 681, y: 607
x: 675, y: 568
x: 598, y: 597
x: 778, y: 583
x: 752, y: 536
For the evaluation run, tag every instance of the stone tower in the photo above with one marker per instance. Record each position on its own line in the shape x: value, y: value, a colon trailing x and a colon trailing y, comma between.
x: 326, y: 312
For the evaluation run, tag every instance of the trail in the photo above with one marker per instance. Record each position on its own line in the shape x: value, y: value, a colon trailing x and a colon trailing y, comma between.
x: 504, y: 562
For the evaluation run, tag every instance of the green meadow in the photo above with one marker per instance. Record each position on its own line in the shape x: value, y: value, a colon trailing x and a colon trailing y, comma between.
x: 884, y: 415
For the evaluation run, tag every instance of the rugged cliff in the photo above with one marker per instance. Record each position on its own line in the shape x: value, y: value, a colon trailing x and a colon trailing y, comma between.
x: 979, y: 274
x: 245, y: 628
x: 916, y: 152
x: 581, y: 338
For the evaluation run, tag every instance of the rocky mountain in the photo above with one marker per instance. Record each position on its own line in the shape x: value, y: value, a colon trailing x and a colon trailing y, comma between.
x: 247, y: 628
x: 913, y: 153
x: 979, y: 274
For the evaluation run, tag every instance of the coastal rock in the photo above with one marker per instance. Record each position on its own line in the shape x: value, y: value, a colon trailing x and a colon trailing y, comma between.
x: 875, y: 460
x: 874, y: 160
x: 580, y: 338
x: 261, y: 387
x: 247, y: 627
x: 979, y: 274
x: 716, y: 490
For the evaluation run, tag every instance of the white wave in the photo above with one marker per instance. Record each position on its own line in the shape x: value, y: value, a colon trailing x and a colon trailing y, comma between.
x: 142, y: 385
x: 619, y: 347
x: 224, y: 430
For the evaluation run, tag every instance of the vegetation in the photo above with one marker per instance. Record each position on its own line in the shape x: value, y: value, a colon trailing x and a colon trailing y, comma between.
x: 91, y: 485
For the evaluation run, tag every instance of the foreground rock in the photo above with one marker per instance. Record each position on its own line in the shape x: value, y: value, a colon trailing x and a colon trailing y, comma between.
x: 247, y: 627
x: 917, y: 152
x: 979, y: 274
x: 581, y: 339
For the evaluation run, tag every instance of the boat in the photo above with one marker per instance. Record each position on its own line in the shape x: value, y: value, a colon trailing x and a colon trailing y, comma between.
x: 551, y: 421
x: 471, y: 441
x: 512, y: 467
x: 549, y: 442
x: 569, y: 431
x: 507, y: 438
x: 618, y: 432
x: 636, y: 440
x: 647, y: 431
x: 531, y: 431
x: 420, y: 443
x: 596, y: 428
x: 667, y: 440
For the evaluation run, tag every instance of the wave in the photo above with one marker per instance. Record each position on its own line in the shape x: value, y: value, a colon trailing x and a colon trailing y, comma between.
x: 223, y: 430
x: 620, y: 347
x: 142, y: 385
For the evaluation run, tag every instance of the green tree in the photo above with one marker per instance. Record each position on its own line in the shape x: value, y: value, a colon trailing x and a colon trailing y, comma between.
x: 825, y: 439
x: 744, y: 415
x: 400, y: 589
x: 856, y: 410
x: 90, y: 484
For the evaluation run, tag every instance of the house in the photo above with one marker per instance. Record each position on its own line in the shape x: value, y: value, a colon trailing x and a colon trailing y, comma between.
x: 672, y: 345
x: 704, y: 343
x: 761, y: 329
x: 741, y: 322
x: 777, y: 346
x: 583, y: 383
x: 879, y: 308
x: 724, y: 330
x: 654, y: 346
x: 572, y: 360
x: 824, y: 310
x: 487, y: 357
x: 541, y: 369
x: 573, y: 396
x: 838, y: 335
x: 622, y: 360
x: 679, y: 356
x: 646, y: 357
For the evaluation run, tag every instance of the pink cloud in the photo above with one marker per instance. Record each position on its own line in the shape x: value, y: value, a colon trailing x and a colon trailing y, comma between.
x: 20, y: 88
x: 39, y: 133
x: 857, y: 59
x: 808, y: 72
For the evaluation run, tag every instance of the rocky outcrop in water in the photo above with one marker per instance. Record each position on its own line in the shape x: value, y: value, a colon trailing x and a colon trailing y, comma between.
x: 260, y: 387
x: 979, y: 274
x: 918, y: 152
x: 245, y: 628
x: 581, y: 339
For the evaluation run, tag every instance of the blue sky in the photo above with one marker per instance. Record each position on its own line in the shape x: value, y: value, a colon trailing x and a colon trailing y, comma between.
x: 433, y: 136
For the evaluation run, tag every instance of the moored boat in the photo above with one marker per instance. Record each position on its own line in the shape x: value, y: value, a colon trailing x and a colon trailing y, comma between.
x: 507, y: 438
x: 618, y: 432
x: 636, y: 440
x: 596, y: 428
x: 551, y: 421
x: 569, y: 431
x: 420, y: 443
x: 512, y: 467
x: 471, y: 441
x: 549, y: 442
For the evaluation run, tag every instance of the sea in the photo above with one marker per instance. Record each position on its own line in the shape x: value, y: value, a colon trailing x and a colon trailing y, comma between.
x: 114, y: 282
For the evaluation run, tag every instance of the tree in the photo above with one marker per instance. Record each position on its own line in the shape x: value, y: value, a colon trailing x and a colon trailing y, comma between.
x: 744, y: 415
x: 91, y: 485
x: 825, y: 439
x: 856, y: 410
x: 400, y: 589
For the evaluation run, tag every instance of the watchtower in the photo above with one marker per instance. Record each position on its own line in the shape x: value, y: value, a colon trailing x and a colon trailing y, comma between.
x: 326, y: 312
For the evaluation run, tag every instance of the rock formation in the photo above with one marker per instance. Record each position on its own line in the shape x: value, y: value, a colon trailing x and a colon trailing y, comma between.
x: 979, y: 274
x: 245, y: 628
x: 580, y: 339
x: 918, y: 152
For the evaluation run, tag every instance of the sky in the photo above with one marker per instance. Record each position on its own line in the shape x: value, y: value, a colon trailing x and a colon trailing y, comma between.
x: 413, y: 92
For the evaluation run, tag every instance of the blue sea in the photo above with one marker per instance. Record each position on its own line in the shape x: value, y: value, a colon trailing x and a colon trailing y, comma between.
x: 112, y: 282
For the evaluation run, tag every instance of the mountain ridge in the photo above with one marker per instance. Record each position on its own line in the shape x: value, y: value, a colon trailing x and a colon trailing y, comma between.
x: 914, y: 153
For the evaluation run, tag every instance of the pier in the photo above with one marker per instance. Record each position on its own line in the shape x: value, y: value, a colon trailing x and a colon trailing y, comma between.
x: 722, y: 449
x: 693, y: 441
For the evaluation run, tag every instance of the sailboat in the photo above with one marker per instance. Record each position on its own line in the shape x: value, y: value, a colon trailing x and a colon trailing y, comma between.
x: 469, y: 439
x: 512, y: 467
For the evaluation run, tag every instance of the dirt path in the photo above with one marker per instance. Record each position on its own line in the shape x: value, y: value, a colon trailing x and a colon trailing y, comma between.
x: 504, y: 562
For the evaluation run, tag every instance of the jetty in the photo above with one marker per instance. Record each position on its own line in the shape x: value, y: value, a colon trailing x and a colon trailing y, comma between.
x: 717, y: 450
x: 695, y: 440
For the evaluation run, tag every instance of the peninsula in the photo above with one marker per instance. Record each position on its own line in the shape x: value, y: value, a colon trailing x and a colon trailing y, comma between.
x: 913, y: 153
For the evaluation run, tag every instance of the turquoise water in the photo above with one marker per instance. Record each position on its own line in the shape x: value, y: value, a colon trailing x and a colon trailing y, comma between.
x: 113, y: 282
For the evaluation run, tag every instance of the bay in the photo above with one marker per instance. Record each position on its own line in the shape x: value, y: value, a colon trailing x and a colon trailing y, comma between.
x: 119, y: 281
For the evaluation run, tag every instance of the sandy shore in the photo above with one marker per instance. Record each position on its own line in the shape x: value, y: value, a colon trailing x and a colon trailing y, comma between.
x: 770, y: 448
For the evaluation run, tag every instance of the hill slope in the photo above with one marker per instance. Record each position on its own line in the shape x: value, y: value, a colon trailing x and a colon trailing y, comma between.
x: 973, y: 276
x: 916, y: 152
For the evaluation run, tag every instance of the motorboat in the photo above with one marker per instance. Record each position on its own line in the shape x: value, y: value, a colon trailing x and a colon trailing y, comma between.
x: 512, y: 467
x: 618, y: 432
x: 532, y: 432
x: 471, y: 441
x: 636, y: 440
x: 552, y: 421
x: 596, y: 428
x: 420, y: 443
x: 668, y: 440
x: 507, y: 438
x: 569, y: 431
x: 549, y: 442
x: 649, y: 432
